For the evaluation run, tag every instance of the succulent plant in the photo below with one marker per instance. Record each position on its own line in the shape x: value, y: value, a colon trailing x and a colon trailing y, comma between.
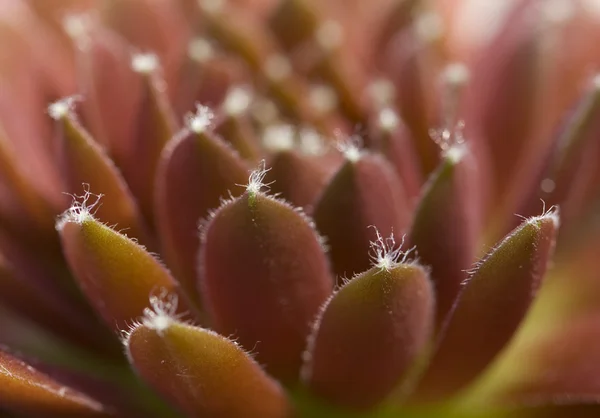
x: 293, y: 208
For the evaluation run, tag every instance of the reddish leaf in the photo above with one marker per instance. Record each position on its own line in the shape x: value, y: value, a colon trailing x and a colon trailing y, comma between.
x: 392, y: 138
x: 502, y: 104
x: 569, y: 173
x: 206, y: 76
x: 26, y: 390
x: 264, y: 276
x: 21, y: 205
x: 560, y: 364
x: 33, y: 289
x: 83, y: 161
x: 364, y: 192
x: 299, y: 178
x: 197, y: 170
x: 104, y: 65
x: 408, y: 63
x: 204, y: 374
x: 156, y: 26
x: 446, y: 225
x: 369, y: 334
x: 490, y: 307
x: 138, y: 157
x: 236, y: 127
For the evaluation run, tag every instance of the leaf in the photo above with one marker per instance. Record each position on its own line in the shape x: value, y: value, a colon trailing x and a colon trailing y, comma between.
x: 447, y: 224
x: 115, y: 273
x: 24, y: 389
x: 196, y: 171
x: 299, y: 178
x: 490, y: 307
x: 363, y: 193
x: 264, y: 275
x: 203, y: 373
x: 83, y: 161
x: 552, y: 365
x: 369, y: 334
x: 155, y: 125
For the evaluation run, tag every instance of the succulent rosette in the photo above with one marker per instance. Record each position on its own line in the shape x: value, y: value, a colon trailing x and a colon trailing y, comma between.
x: 294, y: 208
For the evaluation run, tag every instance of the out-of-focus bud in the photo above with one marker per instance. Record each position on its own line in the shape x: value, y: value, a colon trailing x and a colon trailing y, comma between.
x: 364, y: 192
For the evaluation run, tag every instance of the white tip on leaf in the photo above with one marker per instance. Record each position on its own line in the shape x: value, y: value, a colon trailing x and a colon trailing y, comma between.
x: 451, y: 142
x: 82, y: 209
x: 63, y: 107
x: 350, y: 147
x: 144, y: 63
x: 200, y: 121
x: 551, y: 213
x: 385, y: 254
x: 256, y: 180
x: 162, y: 311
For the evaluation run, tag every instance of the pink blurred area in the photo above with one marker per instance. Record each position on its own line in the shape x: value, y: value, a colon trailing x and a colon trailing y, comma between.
x: 39, y: 63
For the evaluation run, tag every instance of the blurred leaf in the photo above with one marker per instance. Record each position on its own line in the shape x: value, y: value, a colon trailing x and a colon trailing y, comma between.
x: 83, y: 161
x: 363, y: 193
x: 27, y: 390
x: 446, y: 225
x: 156, y: 124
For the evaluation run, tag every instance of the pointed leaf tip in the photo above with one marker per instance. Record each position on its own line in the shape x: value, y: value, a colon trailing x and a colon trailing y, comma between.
x: 115, y: 273
x: 446, y: 224
x: 83, y: 161
x: 201, y: 372
x: 155, y: 126
x: 491, y: 306
x: 264, y: 275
